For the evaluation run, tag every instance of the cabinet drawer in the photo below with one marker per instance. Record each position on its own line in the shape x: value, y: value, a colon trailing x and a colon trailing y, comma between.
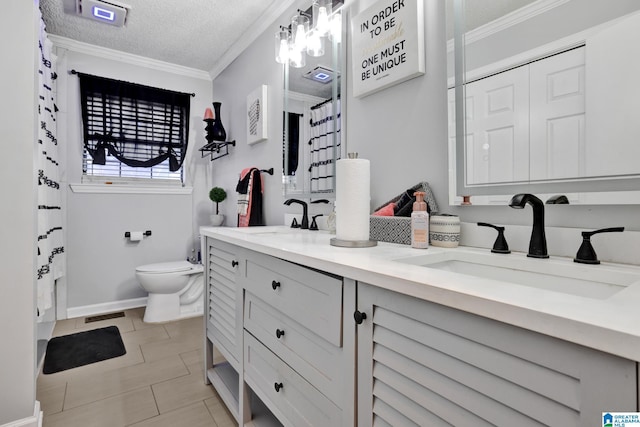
x: 296, y: 402
x: 318, y: 361
x: 311, y: 298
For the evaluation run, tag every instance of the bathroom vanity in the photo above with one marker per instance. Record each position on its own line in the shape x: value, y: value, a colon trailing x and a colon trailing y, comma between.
x: 300, y: 333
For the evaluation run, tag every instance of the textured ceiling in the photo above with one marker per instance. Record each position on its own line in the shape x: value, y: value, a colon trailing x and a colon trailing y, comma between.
x: 191, y: 33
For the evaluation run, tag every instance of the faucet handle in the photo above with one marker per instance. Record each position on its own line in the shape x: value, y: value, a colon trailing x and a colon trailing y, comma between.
x: 294, y: 223
x: 500, y: 246
x: 586, y: 254
x: 314, y: 225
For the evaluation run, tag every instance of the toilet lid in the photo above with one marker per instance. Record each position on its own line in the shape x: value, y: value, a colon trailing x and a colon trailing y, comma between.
x: 165, y: 267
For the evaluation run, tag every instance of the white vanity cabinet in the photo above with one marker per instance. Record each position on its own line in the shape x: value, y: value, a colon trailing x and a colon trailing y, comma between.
x: 293, y: 355
x: 421, y: 363
x: 223, y: 319
x: 293, y: 345
x: 279, y: 326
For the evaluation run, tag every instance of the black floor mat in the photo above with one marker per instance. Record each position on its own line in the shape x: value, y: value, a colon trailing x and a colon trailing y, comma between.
x: 83, y: 348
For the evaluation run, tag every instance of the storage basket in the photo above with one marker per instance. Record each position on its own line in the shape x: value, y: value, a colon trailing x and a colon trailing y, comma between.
x: 397, y: 229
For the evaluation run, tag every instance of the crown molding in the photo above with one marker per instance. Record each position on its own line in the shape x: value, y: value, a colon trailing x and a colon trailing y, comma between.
x: 129, y: 58
x: 510, y: 19
x: 274, y: 11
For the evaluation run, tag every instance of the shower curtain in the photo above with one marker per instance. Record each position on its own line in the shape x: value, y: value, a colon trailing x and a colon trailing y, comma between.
x: 325, y: 131
x: 50, y: 263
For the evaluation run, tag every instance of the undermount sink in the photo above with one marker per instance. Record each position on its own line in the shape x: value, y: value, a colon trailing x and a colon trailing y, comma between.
x: 555, y: 274
x: 270, y: 229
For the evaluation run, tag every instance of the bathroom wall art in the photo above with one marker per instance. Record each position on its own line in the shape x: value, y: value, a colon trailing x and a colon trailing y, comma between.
x: 387, y: 45
x: 257, y: 115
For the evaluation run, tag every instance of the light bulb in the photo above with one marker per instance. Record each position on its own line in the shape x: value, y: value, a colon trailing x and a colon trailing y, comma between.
x: 284, y: 52
x: 322, y: 25
x: 282, y: 46
x: 322, y: 9
x: 300, y: 41
x: 336, y: 27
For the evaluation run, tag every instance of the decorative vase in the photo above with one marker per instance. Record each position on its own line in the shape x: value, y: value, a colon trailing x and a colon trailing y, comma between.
x: 218, y: 133
x: 444, y: 230
x: 217, y: 220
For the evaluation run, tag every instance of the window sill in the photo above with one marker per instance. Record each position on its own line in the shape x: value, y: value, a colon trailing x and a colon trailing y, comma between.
x: 129, y: 189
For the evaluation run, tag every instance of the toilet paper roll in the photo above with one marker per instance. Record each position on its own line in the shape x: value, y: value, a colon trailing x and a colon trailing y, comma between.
x: 136, y: 236
x: 352, y: 199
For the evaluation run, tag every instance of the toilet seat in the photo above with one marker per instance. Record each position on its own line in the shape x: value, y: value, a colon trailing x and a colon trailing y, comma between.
x: 165, y: 267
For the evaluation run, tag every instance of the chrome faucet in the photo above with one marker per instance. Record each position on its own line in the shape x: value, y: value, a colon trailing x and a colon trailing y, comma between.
x: 305, y: 216
x: 538, y: 242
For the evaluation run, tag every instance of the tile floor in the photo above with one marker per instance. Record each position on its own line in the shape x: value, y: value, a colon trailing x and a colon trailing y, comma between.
x: 159, y: 382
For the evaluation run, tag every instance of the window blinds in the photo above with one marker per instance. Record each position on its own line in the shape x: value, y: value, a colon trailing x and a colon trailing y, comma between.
x: 139, y: 125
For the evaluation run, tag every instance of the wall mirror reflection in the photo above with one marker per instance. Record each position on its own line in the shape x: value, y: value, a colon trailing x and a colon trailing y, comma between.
x: 551, y: 101
x: 310, y: 49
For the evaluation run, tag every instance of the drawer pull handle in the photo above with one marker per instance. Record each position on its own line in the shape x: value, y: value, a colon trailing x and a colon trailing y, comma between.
x: 278, y: 387
x: 234, y: 263
x: 275, y: 285
x: 359, y: 316
x: 279, y: 333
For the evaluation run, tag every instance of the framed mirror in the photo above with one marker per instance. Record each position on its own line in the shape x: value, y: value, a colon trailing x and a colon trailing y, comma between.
x: 549, y: 100
x: 313, y: 116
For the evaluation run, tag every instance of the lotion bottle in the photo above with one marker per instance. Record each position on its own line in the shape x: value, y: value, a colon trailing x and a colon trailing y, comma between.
x: 419, y: 222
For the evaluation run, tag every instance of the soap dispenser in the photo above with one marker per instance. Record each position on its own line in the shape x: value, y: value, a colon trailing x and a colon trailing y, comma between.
x: 419, y: 222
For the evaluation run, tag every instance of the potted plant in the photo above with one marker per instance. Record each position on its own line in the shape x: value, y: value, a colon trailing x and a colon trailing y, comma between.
x: 217, y: 195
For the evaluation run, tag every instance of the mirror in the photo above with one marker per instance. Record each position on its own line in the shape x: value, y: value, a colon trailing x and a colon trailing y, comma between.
x: 550, y: 98
x: 313, y: 115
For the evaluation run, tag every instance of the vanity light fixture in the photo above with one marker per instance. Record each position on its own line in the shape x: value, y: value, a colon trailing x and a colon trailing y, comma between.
x: 294, y: 42
x: 298, y: 46
x: 321, y: 11
x: 283, y: 40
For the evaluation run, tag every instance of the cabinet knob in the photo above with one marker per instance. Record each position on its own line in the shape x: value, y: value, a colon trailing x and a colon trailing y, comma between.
x: 234, y: 263
x: 279, y: 333
x: 275, y: 285
x: 359, y: 316
x: 278, y: 387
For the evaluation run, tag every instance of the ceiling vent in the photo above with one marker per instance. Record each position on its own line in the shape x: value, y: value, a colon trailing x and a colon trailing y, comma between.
x: 320, y: 74
x: 111, y: 12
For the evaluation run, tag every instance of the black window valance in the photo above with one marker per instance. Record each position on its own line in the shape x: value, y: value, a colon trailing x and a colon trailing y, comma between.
x: 139, y: 125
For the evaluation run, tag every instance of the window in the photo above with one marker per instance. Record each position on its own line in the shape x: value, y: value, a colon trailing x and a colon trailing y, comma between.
x: 133, y: 131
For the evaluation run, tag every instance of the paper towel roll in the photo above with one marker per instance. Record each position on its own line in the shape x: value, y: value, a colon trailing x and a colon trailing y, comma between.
x: 136, y: 236
x: 352, y: 199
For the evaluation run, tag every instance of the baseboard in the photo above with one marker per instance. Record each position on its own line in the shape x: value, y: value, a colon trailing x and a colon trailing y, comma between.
x: 106, y: 307
x: 33, y: 421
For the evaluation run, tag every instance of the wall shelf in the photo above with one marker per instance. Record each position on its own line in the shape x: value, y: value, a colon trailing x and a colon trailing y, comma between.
x: 216, y: 149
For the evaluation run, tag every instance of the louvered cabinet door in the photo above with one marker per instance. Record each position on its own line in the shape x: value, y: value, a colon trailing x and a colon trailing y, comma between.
x: 224, y: 314
x: 423, y: 364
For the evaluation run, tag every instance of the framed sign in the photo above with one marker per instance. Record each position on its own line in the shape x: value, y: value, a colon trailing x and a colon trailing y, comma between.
x: 387, y: 45
x: 257, y: 115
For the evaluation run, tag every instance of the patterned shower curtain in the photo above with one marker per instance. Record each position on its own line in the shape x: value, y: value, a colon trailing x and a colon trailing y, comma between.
x: 325, y: 135
x: 50, y: 265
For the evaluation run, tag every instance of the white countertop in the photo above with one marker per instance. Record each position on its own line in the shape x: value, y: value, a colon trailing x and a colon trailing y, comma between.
x: 611, y: 324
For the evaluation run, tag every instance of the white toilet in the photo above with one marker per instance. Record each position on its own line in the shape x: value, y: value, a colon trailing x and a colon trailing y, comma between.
x: 175, y: 290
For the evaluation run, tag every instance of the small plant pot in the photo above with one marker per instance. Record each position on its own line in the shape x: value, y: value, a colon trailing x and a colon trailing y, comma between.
x: 217, y: 220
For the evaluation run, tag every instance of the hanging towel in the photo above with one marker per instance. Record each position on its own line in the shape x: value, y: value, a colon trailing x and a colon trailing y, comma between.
x: 243, y: 191
x: 249, y: 190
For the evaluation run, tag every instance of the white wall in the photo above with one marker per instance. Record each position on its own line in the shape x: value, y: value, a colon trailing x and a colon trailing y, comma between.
x: 100, y: 261
x: 402, y: 130
x: 17, y: 210
x: 255, y: 66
